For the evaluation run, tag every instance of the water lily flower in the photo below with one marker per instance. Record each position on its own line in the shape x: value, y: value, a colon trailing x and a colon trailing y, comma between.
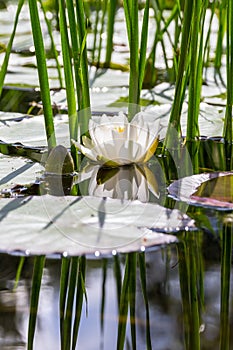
x: 134, y: 182
x: 114, y: 141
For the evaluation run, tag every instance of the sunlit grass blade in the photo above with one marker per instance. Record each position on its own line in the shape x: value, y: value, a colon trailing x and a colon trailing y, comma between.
x: 34, y: 300
x: 5, y: 63
x: 43, y: 73
x: 18, y: 272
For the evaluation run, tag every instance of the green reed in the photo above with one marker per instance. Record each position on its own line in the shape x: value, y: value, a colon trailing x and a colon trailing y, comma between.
x: 82, y: 79
x: 72, y: 292
x: 221, y: 8
x: 98, y: 34
x: 67, y: 62
x: 128, y: 300
x: 42, y: 72
x: 191, y: 285
x: 53, y: 45
x: 137, y: 60
x: 112, y: 6
x: 196, y: 68
x: 39, y: 263
x: 182, y: 74
x: 162, y: 24
x: 5, y: 63
x: 226, y: 261
x: 228, y: 129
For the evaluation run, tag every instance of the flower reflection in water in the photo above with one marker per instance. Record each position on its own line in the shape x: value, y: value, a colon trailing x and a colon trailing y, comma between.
x: 128, y: 182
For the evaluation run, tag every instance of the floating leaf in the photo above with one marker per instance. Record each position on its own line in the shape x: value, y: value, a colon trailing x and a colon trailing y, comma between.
x: 85, y: 225
x: 214, y: 190
x: 16, y: 170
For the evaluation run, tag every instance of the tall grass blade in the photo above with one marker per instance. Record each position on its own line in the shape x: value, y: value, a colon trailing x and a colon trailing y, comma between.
x: 132, y: 297
x: 112, y: 6
x: 226, y: 259
x: 117, y: 273
x: 142, y: 268
x: 69, y: 80
x: 80, y: 294
x: 124, y: 304
x: 42, y: 72
x: 53, y: 46
x: 5, y: 63
x: 65, y: 268
x: 131, y: 15
x: 18, y: 272
x: 182, y: 75
x: 196, y: 64
x: 39, y: 262
x: 194, y: 297
x: 228, y: 128
x: 103, y: 294
x: 72, y: 283
x: 143, y: 47
x: 83, y: 86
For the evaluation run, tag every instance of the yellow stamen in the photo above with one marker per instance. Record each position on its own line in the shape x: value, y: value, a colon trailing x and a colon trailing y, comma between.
x: 120, y: 129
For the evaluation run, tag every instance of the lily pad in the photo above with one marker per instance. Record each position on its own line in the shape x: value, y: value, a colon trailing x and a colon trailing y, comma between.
x: 31, y: 131
x: 70, y: 225
x: 212, y: 190
x: 17, y: 170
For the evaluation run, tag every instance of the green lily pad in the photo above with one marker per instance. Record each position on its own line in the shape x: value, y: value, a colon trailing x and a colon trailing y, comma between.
x: 214, y: 190
x: 85, y: 225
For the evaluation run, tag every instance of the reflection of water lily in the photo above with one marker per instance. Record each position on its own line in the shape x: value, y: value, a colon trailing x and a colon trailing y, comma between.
x: 128, y: 182
x: 115, y: 141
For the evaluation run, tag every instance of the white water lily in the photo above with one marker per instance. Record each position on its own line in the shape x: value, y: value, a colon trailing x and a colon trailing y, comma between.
x: 114, y: 141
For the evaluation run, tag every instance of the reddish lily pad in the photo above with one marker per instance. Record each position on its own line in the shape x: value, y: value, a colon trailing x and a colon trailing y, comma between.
x: 214, y: 190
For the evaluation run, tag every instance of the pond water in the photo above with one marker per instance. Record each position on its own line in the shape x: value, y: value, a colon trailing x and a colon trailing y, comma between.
x: 173, y: 292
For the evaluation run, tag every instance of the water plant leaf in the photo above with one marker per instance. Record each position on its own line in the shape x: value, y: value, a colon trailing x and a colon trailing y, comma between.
x: 214, y: 190
x: 31, y: 131
x: 70, y: 225
x: 16, y: 170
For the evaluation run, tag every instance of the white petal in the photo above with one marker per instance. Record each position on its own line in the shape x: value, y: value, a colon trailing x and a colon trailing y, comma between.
x: 89, y: 153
